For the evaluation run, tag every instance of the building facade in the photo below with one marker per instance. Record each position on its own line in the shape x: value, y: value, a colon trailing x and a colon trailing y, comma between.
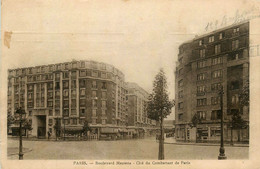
x: 137, y: 99
x: 138, y: 121
x: 72, y: 93
x: 205, y: 64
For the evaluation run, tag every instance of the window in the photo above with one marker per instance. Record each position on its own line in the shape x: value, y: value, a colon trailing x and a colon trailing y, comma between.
x: 82, y: 111
x: 73, y: 93
x: 201, y: 115
x: 73, y: 75
x: 82, y: 64
x: 50, y: 113
x: 82, y: 83
x: 200, y: 42
x: 94, y: 84
x: 82, y: 73
x: 73, y: 84
x: 211, y: 39
x: 235, y: 44
x: 50, y: 121
x: 57, y: 94
x: 103, y: 121
x: 216, y: 115
x: 202, y: 102
x: 73, y: 112
x: 66, y: 112
x: 104, y: 104
x: 217, y: 74
x: 66, y: 75
x: 216, y: 86
x: 221, y: 35
x: 217, y: 60
x: 94, y: 103
x: 74, y: 121
x: 217, y: 49
x: 201, y: 89
x: 57, y: 112
x: 104, y: 85
x: 50, y: 103
x: 180, y: 83
x: 82, y: 92
x: 73, y: 103
x: 74, y: 65
x: 202, y: 64
x: 50, y: 77
x: 57, y: 85
x: 94, y: 112
x: 103, y: 112
x: 235, y: 99
x: 66, y: 84
x: 50, y: 86
x: 30, y: 95
x: 103, y: 75
x: 234, y: 85
x: 65, y: 103
x: 202, y: 53
x: 180, y: 95
x: 215, y: 100
x: 94, y: 73
x: 66, y: 66
x: 94, y: 121
x: 82, y: 102
x: 180, y: 105
x: 66, y: 121
x: 94, y: 93
x: 201, y: 76
x: 104, y: 95
x: 180, y: 116
x: 236, y: 30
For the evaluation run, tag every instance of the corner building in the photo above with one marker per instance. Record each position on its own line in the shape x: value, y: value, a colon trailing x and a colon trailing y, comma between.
x: 219, y: 58
x: 71, y: 92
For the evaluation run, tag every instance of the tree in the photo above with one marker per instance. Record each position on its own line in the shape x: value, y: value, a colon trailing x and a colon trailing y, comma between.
x: 237, y: 123
x: 27, y: 126
x: 195, y: 121
x: 10, y: 121
x: 86, y: 128
x: 244, y: 95
x: 159, y: 106
x: 57, y: 127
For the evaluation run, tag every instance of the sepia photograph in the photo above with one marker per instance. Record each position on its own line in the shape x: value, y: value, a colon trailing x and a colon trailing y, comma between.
x: 129, y: 83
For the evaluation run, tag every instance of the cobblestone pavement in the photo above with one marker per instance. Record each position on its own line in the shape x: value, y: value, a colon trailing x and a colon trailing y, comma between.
x: 121, y: 149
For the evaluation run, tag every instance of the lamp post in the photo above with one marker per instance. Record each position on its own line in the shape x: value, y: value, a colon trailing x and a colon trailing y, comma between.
x: 221, y: 149
x: 21, y: 113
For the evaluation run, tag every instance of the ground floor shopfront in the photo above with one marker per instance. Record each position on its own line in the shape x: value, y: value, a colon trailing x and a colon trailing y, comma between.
x: 210, y: 132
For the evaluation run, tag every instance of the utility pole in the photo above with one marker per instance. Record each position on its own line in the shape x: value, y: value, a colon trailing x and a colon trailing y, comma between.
x: 222, y: 149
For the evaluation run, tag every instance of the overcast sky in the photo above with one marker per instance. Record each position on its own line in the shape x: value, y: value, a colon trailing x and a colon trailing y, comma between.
x: 137, y: 37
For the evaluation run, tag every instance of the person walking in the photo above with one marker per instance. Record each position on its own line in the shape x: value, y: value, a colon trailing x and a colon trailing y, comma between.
x: 49, y: 135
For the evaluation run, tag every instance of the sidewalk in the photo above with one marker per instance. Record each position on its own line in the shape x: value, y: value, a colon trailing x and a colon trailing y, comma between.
x: 172, y: 141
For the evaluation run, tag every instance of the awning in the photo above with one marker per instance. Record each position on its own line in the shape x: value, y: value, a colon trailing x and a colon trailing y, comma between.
x: 73, y: 128
x: 108, y: 130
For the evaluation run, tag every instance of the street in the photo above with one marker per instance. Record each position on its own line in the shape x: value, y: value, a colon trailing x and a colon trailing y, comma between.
x: 121, y: 149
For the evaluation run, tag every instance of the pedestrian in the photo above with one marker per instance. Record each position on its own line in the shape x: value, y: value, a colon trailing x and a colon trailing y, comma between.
x: 49, y: 135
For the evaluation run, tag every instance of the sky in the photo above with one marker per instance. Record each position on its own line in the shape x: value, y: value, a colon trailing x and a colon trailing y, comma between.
x: 137, y: 37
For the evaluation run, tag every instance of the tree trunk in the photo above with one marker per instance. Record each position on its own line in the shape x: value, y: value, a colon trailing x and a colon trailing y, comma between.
x: 161, y: 141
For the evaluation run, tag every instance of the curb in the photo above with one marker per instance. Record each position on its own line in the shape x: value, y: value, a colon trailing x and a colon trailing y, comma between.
x: 196, y: 144
x: 27, y: 151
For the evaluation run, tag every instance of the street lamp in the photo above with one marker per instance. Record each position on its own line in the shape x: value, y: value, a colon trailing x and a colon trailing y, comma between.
x: 21, y: 113
x: 221, y: 149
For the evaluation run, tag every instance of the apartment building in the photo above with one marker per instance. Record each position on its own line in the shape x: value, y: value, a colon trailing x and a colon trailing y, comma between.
x: 72, y: 93
x: 205, y: 64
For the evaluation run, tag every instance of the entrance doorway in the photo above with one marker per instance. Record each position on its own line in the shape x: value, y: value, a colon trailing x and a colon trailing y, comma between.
x: 41, y: 128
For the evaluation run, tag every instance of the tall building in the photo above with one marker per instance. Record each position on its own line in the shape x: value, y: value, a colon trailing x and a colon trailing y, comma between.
x: 137, y: 99
x: 205, y: 64
x: 71, y: 92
